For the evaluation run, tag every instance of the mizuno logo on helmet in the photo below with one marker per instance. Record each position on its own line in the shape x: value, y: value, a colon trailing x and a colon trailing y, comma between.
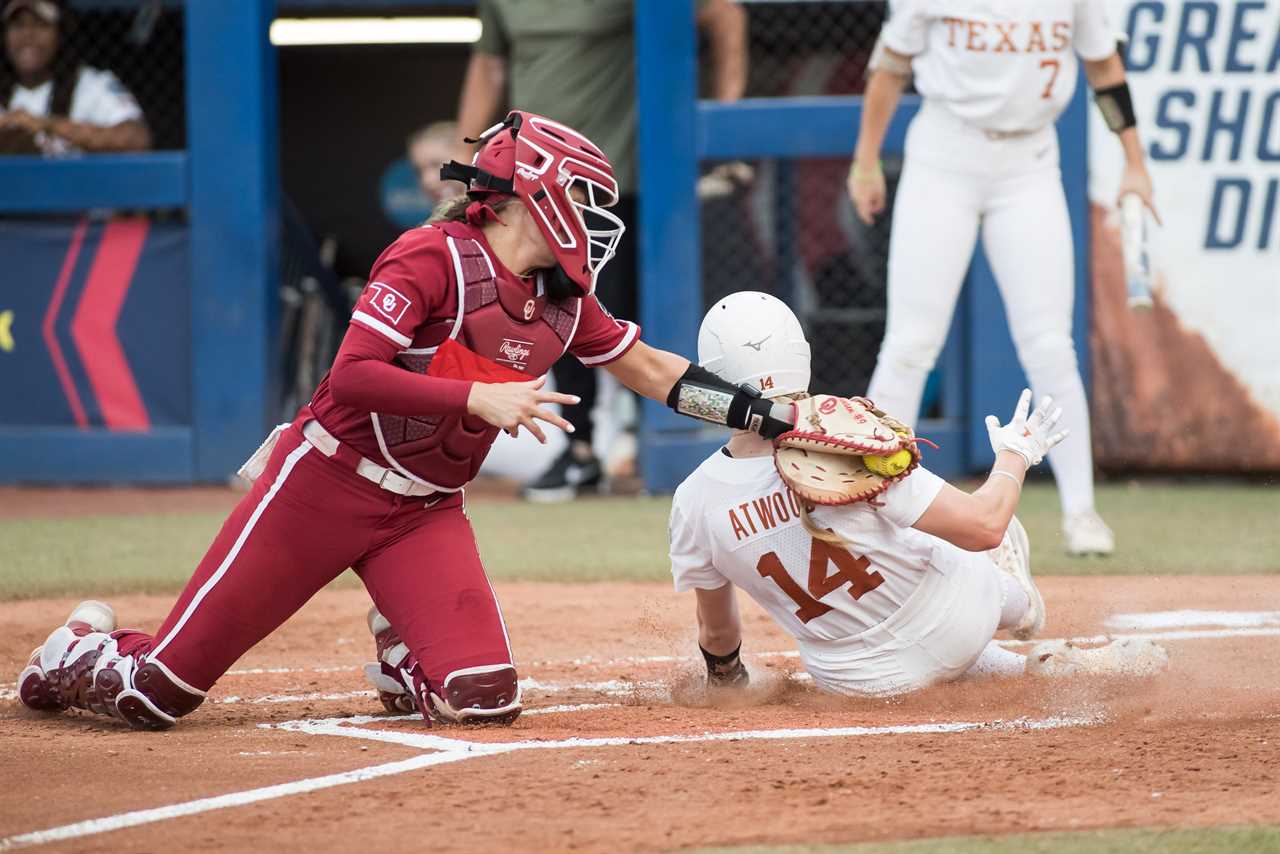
x: 757, y: 344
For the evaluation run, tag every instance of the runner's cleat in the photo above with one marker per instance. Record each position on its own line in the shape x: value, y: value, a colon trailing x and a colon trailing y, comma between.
x: 1124, y: 657
x: 565, y: 479
x: 1013, y: 556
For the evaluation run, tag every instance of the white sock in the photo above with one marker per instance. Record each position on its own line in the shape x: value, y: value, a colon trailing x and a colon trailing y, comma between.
x: 1014, y: 601
x: 995, y: 660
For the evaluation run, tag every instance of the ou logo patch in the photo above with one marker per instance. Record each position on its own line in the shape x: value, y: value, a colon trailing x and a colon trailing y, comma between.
x: 389, y: 302
x: 528, y: 309
x: 827, y: 406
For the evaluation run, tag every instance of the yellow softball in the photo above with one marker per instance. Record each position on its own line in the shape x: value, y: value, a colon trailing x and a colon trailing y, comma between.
x: 889, y: 466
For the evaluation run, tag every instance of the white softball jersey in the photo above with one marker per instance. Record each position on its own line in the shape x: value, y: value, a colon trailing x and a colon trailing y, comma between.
x: 99, y: 98
x: 900, y: 610
x: 1000, y: 65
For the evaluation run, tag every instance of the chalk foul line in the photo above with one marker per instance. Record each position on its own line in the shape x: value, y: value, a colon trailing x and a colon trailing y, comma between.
x: 448, y: 750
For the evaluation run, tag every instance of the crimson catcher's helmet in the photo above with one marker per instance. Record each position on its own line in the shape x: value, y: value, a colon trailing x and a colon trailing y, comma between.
x: 540, y: 161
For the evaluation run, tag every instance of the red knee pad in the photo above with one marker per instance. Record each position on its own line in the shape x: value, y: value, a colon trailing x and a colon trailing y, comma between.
x: 488, y: 694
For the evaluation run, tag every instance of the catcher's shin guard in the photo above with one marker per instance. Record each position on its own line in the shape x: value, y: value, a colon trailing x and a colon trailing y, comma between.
x: 150, y: 696
x: 475, y: 695
x: 395, y: 688
x: 488, y: 694
x: 79, y: 666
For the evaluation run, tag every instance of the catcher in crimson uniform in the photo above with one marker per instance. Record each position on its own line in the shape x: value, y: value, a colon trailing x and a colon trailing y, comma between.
x: 456, y: 318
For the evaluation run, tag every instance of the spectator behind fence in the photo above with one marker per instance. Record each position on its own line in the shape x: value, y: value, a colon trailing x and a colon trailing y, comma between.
x: 50, y: 102
x: 575, y: 60
x: 429, y: 148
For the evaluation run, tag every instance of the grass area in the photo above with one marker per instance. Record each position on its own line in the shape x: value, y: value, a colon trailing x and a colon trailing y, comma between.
x: 1162, y: 528
x: 1237, y: 840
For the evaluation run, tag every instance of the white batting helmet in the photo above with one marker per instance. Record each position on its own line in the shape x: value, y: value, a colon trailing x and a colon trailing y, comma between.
x: 751, y: 337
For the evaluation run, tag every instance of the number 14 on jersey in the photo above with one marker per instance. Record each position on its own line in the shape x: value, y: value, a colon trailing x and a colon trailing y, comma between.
x: 850, y: 570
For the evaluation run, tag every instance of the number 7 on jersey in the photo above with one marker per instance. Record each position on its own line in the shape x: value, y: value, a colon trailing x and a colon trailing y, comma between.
x: 850, y: 570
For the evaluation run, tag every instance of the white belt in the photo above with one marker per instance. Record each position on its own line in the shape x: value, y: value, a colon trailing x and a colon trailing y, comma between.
x: 392, y: 481
x: 1008, y: 134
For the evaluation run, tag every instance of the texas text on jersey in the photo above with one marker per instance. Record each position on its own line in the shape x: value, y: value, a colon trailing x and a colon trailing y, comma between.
x: 1006, y: 66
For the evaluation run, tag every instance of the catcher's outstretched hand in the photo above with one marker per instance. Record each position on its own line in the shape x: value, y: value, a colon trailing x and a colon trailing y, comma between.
x: 1028, y: 437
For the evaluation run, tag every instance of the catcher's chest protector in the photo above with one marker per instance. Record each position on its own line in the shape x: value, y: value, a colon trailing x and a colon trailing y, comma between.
x: 498, y: 320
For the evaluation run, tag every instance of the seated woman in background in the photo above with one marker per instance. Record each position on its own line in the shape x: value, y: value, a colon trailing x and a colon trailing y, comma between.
x: 52, y: 104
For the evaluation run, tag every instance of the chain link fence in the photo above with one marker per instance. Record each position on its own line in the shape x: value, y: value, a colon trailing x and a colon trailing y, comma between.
x: 811, y: 48
x: 140, y: 42
x: 786, y: 226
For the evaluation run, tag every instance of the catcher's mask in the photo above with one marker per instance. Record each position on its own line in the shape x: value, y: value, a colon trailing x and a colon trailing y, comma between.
x: 752, y: 337
x: 540, y: 162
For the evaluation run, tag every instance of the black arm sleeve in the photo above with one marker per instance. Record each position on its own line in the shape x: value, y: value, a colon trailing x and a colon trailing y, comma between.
x: 703, y: 395
x: 1116, y: 104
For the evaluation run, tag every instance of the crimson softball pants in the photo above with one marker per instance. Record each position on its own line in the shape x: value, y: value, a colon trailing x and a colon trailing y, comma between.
x: 306, y: 520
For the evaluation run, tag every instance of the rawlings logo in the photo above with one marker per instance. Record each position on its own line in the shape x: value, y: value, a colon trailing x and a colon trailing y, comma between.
x: 388, y: 302
x: 514, y: 352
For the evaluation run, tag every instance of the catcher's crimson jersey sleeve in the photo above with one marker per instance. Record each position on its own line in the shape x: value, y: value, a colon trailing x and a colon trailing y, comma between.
x: 407, y: 282
x: 1001, y: 65
x: 735, y: 520
x: 600, y: 337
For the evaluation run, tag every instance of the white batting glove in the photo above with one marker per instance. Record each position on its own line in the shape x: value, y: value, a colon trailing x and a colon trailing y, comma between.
x: 1030, y: 438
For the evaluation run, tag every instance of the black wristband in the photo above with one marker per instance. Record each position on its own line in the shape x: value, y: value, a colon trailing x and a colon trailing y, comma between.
x: 1116, y: 104
x: 703, y: 395
x: 726, y: 669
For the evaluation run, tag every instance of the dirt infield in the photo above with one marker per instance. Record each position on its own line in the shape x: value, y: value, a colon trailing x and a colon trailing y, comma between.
x: 620, y: 751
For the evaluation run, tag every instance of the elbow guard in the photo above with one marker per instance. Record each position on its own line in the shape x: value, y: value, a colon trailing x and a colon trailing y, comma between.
x: 1116, y: 104
x: 701, y: 394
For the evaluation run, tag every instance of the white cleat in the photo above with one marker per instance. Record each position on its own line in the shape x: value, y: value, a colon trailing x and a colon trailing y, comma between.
x: 1086, y: 534
x: 35, y: 689
x: 1013, y: 556
x: 1126, y: 657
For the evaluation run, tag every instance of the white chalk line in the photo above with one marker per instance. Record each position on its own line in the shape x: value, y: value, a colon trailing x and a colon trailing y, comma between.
x: 1186, y: 618
x: 456, y: 750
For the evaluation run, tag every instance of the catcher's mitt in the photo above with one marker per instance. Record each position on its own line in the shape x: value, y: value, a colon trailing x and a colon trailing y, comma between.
x: 822, y: 459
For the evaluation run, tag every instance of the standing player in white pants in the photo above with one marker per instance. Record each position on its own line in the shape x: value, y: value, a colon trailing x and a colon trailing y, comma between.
x: 994, y: 74
x: 882, y: 597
